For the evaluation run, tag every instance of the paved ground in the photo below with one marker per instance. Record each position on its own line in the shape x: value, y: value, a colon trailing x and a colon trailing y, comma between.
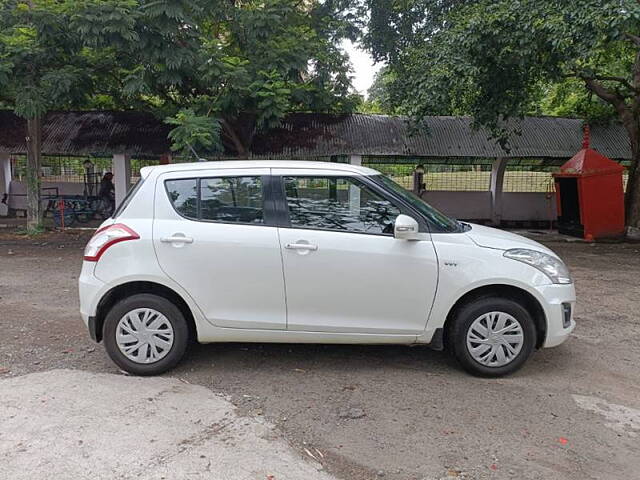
x: 50, y: 430
x: 393, y: 412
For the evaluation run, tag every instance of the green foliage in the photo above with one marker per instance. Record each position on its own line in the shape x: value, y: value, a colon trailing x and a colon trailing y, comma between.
x: 384, y: 93
x: 185, y: 59
x: 268, y: 58
x: 48, y: 51
x: 194, y: 133
x: 569, y: 98
x: 500, y: 59
x: 31, y: 232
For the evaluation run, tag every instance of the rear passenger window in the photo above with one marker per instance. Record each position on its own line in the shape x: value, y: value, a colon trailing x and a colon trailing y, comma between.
x: 231, y: 199
x: 218, y: 199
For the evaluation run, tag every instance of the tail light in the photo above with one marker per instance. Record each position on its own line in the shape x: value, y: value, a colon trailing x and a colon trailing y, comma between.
x: 105, y: 237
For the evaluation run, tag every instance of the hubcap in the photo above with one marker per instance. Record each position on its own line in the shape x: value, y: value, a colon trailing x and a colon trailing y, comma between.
x: 495, y: 339
x: 144, y: 335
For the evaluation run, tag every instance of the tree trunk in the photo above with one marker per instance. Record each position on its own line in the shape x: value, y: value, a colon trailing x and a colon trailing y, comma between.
x: 34, y: 202
x: 632, y: 197
x: 230, y: 133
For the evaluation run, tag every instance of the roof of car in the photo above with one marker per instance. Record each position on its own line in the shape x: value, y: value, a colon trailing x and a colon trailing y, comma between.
x: 248, y: 164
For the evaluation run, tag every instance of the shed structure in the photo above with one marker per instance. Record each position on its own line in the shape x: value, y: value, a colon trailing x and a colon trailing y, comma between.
x: 467, y: 174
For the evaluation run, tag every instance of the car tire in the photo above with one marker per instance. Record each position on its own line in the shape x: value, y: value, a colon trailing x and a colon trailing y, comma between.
x: 492, y: 336
x: 145, y: 319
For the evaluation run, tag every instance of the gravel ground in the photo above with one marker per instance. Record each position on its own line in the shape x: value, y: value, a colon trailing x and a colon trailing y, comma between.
x: 394, y: 412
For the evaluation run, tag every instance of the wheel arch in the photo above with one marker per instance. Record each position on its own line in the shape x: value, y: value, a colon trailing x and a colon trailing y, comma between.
x: 526, y: 299
x: 128, y: 289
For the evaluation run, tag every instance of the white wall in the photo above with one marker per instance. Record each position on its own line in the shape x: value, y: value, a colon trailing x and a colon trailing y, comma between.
x: 522, y: 206
x: 529, y: 206
x: 466, y: 205
x: 18, y: 190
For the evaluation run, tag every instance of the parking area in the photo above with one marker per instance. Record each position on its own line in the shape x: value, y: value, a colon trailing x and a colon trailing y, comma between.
x: 367, y: 412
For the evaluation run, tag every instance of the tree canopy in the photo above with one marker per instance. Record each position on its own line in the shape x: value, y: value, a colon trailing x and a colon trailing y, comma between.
x: 218, y: 71
x: 498, y: 59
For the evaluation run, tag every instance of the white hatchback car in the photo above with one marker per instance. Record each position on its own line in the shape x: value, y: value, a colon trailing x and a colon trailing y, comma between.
x: 306, y: 252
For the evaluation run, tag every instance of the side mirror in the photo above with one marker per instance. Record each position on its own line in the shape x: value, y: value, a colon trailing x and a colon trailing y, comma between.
x: 406, y: 228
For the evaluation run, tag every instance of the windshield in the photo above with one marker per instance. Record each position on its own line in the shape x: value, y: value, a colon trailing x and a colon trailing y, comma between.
x: 438, y: 219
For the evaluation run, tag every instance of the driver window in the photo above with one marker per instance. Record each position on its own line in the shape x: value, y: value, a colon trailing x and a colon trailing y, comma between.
x: 338, y: 203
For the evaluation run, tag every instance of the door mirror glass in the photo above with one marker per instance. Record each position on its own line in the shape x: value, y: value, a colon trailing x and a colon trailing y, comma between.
x: 406, y: 228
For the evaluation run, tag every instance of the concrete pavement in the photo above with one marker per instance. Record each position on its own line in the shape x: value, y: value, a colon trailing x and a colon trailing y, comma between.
x: 66, y: 424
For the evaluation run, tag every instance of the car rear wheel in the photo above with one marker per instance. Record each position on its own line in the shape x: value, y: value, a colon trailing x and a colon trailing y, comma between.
x: 145, y: 334
x: 492, y: 337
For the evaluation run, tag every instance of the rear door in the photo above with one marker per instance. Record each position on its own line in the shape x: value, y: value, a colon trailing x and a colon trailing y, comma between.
x: 213, y: 236
x: 344, y: 270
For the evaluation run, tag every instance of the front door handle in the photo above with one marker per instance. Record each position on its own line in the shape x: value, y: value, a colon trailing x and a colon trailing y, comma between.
x: 177, y: 239
x: 301, y: 246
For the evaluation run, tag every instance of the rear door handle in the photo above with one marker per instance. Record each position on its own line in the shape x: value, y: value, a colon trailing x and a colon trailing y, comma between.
x: 301, y: 246
x: 177, y: 239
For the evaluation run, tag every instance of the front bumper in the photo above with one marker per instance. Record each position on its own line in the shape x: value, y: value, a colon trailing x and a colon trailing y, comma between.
x: 555, y: 299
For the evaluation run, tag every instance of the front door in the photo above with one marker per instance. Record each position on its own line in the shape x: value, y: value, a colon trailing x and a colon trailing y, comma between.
x: 212, y: 237
x: 344, y: 270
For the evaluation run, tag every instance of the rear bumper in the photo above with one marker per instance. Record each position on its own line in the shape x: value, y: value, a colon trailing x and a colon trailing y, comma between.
x: 89, y: 288
x: 555, y: 298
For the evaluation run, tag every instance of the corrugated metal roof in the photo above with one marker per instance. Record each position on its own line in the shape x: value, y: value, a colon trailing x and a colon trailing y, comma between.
x: 89, y: 133
x: 314, y: 135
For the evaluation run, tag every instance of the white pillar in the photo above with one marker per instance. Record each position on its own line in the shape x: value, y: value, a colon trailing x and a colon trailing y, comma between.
x: 354, y: 191
x: 497, y: 179
x: 121, y: 165
x: 5, y: 180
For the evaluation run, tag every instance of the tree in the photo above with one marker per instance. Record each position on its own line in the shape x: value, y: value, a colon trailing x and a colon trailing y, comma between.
x: 382, y: 95
x: 218, y: 70
x: 46, y: 62
x: 491, y: 58
x: 250, y: 63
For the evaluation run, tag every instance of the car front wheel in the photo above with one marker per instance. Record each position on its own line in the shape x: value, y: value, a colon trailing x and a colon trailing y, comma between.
x: 145, y: 334
x: 492, y: 337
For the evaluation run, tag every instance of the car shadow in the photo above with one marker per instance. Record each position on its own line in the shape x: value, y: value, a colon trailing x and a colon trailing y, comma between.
x: 284, y: 357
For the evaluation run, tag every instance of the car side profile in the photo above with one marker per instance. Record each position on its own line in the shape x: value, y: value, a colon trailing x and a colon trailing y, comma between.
x: 311, y: 252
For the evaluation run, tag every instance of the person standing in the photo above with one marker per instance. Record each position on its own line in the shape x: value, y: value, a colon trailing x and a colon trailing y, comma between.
x: 107, y: 193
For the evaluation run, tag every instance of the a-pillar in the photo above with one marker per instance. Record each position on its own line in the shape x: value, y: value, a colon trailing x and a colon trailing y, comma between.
x: 497, y: 179
x: 5, y: 180
x: 121, y: 165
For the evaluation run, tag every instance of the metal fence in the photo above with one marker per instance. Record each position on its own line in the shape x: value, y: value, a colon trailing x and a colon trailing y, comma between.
x: 60, y: 169
x: 454, y: 174
x: 530, y: 175
x: 439, y: 174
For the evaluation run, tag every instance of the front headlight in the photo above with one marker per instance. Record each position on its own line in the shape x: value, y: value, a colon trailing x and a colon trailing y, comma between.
x: 552, y: 267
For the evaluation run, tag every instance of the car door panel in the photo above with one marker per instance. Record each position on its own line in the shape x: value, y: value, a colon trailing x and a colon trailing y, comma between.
x: 358, y: 283
x: 233, y: 271
x: 345, y: 281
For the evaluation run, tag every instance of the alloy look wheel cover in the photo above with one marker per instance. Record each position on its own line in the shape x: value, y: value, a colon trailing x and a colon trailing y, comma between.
x: 144, y: 335
x: 495, y: 339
